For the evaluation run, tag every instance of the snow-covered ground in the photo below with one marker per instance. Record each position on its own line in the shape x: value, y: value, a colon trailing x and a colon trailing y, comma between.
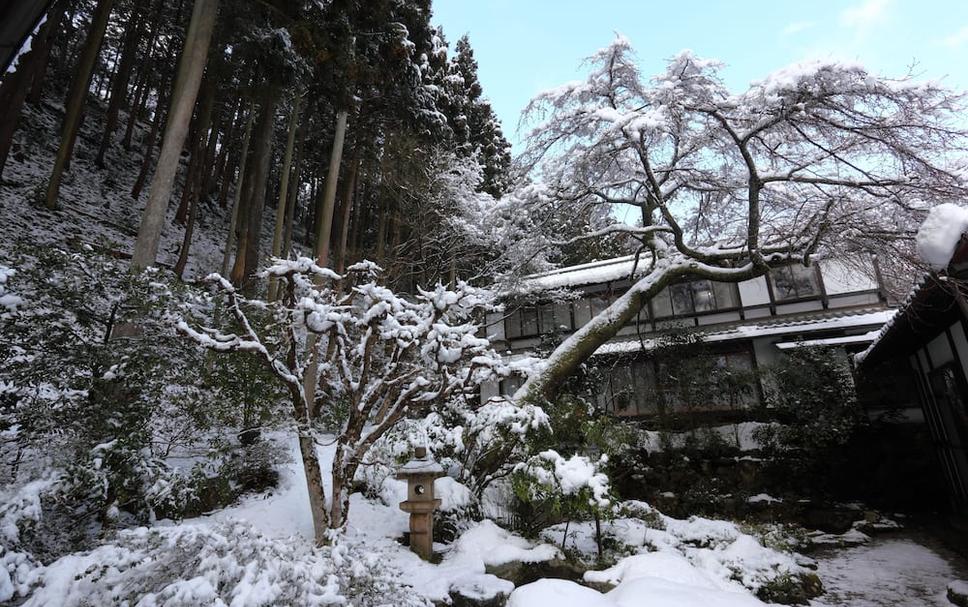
x: 892, y: 571
x: 260, y: 549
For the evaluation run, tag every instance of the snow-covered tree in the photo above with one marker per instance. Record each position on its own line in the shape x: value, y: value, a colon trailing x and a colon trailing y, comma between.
x: 379, y: 358
x: 817, y: 157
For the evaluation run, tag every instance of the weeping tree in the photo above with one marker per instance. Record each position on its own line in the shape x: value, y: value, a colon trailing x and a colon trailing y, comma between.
x: 816, y: 158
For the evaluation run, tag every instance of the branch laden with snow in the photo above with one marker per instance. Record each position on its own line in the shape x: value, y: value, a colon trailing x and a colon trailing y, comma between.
x: 382, y: 356
x: 815, y: 158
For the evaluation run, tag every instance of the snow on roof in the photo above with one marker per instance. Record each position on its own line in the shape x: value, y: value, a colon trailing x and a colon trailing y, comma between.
x: 790, y: 325
x: 940, y: 233
x: 418, y: 465
x: 606, y: 270
x: 864, y: 338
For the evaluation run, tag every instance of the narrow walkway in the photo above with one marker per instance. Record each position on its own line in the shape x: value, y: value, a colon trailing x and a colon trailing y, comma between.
x: 900, y: 569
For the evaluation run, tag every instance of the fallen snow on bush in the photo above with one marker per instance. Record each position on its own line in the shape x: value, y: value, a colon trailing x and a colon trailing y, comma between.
x: 230, y: 564
x: 940, y: 233
x: 493, y: 545
x: 718, y: 551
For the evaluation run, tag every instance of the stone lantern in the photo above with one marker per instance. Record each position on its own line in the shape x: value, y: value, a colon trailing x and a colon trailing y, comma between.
x: 420, y: 473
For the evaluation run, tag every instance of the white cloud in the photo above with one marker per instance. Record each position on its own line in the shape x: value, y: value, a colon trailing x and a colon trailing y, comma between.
x: 864, y: 14
x: 797, y: 26
x: 959, y: 38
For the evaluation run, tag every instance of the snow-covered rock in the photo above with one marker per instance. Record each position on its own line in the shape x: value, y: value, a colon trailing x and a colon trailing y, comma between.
x: 957, y: 593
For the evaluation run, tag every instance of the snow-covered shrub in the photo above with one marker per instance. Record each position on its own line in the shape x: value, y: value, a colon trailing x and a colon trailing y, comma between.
x: 188, y: 565
x: 349, y: 340
x: 720, y: 551
x: 572, y: 488
x: 98, y: 387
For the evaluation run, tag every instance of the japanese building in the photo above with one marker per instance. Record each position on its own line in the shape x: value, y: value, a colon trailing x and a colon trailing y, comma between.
x: 743, y: 326
x: 928, y: 340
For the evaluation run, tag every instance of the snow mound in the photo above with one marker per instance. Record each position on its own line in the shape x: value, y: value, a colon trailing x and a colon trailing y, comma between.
x: 719, y: 551
x: 639, y: 592
x: 650, y: 591
x: 557, y: 593
x: 668, y: 566
x: 940, y: 233
x: 494, y: 546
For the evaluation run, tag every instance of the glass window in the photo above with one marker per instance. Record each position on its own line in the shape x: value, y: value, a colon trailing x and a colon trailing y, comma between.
x: 726, y: 296
x: 547, y: 318
x: 703, y: 298
x: 794, y: 282
x: 510, y: 385
x: 597, y: 305
x: 563, y: 316
x: 623, y: 391
x: 529, y: 321
x: 512, y: 325
x: 688, y: 298
x: 681, y: 299
x: 662, y: 304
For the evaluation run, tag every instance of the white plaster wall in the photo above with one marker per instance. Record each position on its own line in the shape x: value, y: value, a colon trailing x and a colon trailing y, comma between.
x: 754, y: 291
x: 711, y: 319
x: 801, y: 306
x: 859, y: 299
x: 839, y: 277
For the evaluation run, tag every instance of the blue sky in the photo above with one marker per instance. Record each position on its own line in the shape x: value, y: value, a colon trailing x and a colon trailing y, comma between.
x: 526, y: 46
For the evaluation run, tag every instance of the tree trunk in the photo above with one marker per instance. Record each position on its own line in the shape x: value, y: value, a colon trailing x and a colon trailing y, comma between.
x: 347, y: 209
x: 314, y: 484
x: 254, y: 194
x: 54, y: 20
x: 142, y: 91
x: 14, y: 88
x: 325, y: 220
x: 193, y: 181
x: 283, y: 204
x: 325, y: 223
x: 187, y: 239
x: 76, y: 97
x: 119, y: 84
x: 293, y: 196
x: 149, y: 145
x: 582, y: 344
x: 218, y: 179
x: 234, y: 221
x: 187, y: 82
x: 381, y: 231
x: 197, y: 147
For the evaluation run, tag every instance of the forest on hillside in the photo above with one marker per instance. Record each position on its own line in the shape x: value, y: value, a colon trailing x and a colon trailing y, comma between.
x: 343, y: 128
x: 257, y: 258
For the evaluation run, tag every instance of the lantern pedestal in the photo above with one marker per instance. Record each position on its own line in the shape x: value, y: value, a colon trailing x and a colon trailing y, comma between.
x: 420, y: 473
x: 421, y: 526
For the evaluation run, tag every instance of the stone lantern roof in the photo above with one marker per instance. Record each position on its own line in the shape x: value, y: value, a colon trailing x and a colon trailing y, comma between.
x: 420, y: 465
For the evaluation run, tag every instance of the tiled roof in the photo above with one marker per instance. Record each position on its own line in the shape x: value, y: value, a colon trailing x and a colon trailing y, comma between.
x: 816, y: 322
x: 595, y: 272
